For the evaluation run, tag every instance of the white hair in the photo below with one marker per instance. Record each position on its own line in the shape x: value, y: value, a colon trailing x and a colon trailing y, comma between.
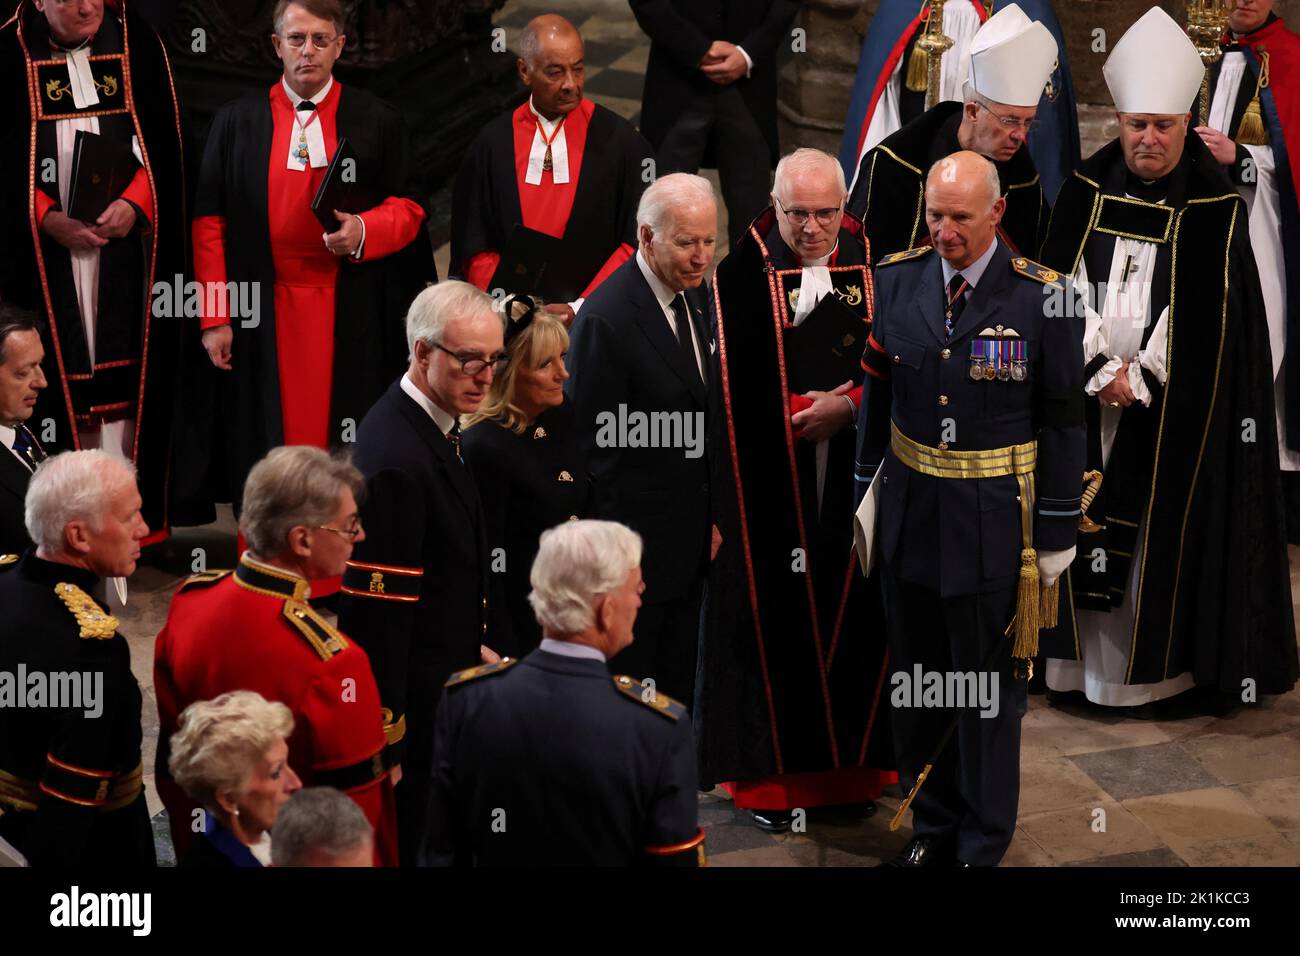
x: 72, y: 486
x: 437, y: 305
x: 666, y: 193
x: 991, y: 180
x: 293, y: 486
x: 806, y: 160
x: 576, y: 563
x: 218, y: 744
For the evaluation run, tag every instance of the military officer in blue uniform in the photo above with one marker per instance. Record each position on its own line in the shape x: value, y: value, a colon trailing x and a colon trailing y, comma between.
x: 71, y: 785
x: 552, y: 760
x: 973, y: 428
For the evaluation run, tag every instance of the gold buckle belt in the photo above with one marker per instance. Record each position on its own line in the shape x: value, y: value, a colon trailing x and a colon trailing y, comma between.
x: 942, y: 463
x: 21, y: 794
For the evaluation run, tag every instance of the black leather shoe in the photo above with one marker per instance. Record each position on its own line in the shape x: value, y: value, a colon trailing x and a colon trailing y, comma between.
x: 922, y: 851
x: 773, y: 821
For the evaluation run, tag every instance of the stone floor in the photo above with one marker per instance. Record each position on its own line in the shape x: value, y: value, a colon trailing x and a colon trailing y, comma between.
x: 1198, y: 792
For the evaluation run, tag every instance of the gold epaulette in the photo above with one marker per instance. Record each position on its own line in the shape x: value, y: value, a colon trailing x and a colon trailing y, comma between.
x: 483, y: 670
x: 95, y: 623
x: 1035, y: 270
x: 657, y: 701
x: 202, y: 579
x: 8, y: 561
x: 320, y: 634
x: 905, y: 256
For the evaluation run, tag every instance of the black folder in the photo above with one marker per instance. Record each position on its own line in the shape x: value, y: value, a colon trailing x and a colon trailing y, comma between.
x: 342, y: 188
x: 554, y: 270
x: 825, y: 350
x: 102, y: 168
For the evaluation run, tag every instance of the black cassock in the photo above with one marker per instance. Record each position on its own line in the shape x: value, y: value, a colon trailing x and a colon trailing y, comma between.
x: 792, y: 661
x: 242, y: 406
x: 889, y: 193
x: 1197, y: 471
x: 134, y: 372
x: 485, y: 199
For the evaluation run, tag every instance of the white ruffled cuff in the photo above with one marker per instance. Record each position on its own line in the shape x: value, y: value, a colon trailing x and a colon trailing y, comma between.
x: 1105, y: 375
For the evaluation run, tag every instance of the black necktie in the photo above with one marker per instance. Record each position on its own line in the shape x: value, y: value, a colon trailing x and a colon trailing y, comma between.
x: 683, y: 322
x: 306, y: 106
x: 453, y: 436
x: 956, y: 302
x: 27, y: 448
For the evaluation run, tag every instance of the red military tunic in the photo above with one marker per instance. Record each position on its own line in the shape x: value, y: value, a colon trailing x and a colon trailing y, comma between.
x: 253, y: 630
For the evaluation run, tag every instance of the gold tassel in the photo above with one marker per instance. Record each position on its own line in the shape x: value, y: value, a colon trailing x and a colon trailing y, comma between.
x: 1251, y: 132
x: 1049, y: 601
x: 918, y: 69
x: 1026, y: 645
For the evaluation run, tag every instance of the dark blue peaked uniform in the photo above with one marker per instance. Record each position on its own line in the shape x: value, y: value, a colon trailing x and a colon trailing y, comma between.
x: 551, y: 761
x: 950, y: 543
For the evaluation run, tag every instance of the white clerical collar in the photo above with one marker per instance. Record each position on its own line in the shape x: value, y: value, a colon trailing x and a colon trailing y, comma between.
x: 973, y: 272
x: 824, y: 260
x: 444, y: 420
x: 570, y: 649
x: 547, y: 124
x: 295, y: 99
x: 663, y: 295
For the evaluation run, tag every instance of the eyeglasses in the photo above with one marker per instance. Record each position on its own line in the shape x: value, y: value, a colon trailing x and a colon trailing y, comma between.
x: 319, y: 40
x: 473, y: 365
x: 800, y: 216
x: 350, y: 532
x: 1011, y: 122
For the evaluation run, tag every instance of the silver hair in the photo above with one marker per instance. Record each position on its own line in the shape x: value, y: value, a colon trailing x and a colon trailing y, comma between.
x: 294, y: 485
x: 432, y: 309
x: 806, y: 160
x: 991, y: 180
x: 667, y: 193
x: 72, y: 486
x: 219, y: 742
x: 318, y: 820
x: 576, y: 563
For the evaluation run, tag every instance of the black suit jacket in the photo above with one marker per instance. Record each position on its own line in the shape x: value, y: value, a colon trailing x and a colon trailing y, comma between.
x: 415, y: 591
x: 552, y: 761
x: 626, y: 363
x: 13, y: 493
x: 681, y: 32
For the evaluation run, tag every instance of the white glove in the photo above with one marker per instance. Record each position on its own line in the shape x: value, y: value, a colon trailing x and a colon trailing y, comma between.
x: 1051, y: 564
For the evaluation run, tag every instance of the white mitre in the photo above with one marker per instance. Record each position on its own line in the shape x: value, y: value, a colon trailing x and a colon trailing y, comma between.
x: 1011, y: 58
x: 1154, y: 68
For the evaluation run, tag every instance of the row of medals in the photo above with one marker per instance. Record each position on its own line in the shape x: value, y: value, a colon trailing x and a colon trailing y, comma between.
x: 996, y: 365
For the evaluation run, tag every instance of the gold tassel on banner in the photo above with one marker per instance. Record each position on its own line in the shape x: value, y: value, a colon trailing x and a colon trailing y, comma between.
x: 1251, y: 132
x: 1026, y: 645
x: 918, y: 64
x: 1049, y: 601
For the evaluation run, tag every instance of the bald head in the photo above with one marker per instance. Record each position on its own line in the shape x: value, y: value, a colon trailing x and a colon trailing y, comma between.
x: 550, y: 64
x: 963, y: 206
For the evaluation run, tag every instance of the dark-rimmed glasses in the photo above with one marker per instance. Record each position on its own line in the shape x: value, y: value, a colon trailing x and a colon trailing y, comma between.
x: 473, y: 365
x: 800, y: 216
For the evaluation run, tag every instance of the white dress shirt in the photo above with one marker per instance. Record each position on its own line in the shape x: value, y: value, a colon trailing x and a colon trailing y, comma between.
x: 315, y: 138
x: 444, y: 420
x: 537, y: 154
x: 8, y: 435
x: 664, y: 296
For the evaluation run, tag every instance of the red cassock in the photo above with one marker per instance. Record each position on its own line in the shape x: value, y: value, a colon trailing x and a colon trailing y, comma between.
x: 252, y: 629
x: 305, y: 271
x: 546, y: 207
x: 306, y: 274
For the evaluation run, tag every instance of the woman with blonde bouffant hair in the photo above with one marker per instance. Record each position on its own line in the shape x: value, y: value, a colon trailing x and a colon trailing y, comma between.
x: 529, y: 468
x: 231, y: 755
